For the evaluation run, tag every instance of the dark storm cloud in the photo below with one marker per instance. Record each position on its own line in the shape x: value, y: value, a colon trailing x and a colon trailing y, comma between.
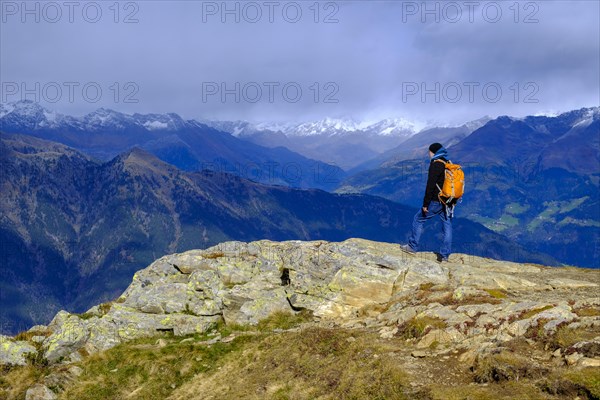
x: 361, y: 59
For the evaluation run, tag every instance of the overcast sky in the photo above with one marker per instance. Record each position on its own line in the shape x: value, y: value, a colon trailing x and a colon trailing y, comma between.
x: 434, y: 62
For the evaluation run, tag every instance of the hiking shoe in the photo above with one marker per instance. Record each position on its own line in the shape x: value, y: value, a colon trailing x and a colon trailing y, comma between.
x: 406, y: 248
x: 441, y: 259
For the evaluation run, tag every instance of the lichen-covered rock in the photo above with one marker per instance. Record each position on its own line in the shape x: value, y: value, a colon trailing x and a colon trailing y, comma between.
x: 207, y: 283
x: 58, y: 320
x: 39, y: 392
x: 103, y: 334
x: 441, y: 336
x: 14, y: 352
x: 570, y: 283
x: 70, y: 336
x: 472, y: 310
x: 131, y: 324
x: 558, y: 315
x: 253, y: 310
x: 446, y: 314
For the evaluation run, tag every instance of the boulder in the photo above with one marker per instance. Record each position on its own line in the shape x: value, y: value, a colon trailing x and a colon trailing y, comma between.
x: 14, y: 352
x: 39, y: 392
x: 70, y: 336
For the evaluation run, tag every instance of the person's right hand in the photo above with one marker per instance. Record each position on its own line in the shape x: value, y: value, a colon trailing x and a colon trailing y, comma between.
x: 424, y: 211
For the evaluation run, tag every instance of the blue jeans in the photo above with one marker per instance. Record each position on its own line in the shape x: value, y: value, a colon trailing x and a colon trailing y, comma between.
x: 435, y: 208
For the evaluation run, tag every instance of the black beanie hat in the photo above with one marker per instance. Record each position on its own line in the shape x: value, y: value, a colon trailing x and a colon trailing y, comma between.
x: 435, y: 147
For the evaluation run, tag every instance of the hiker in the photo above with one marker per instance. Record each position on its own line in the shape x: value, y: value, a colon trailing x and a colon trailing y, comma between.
x: 435, y: 204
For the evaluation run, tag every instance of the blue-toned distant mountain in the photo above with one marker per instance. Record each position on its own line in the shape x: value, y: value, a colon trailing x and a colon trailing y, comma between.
x: 342, y: 142
x: 534, y: 179
x: 74, y: 230
x: 187, y: 144
x: 417, y: 145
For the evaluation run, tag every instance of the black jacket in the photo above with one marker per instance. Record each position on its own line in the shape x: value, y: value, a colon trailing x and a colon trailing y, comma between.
x: 436, y: 176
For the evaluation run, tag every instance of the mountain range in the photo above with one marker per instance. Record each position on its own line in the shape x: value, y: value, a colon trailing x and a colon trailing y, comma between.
x: 344, y: 143
x: 74, y: 229
x: 187, y: 144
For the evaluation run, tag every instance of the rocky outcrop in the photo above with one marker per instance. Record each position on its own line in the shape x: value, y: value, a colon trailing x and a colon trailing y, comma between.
x: 469, y: 304
x: 14, y: 352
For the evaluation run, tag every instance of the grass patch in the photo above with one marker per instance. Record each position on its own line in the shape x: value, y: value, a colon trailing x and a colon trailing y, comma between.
x: 104, y: 308
x: 587, y: 312
x: 426, y: 286
x: 509, y: 220
x: 142, y: 369
x: 531, y: 313
x: 277, y: 320
x: 428, y: 293
x: 213, y: 255
x: 496, y: 391
x: 496, y: 293
x: 187, y: 310
x: 416, y: 328
x: 450, y: 300
x: 27, y: 336
x: 516, y: 208
x: 563, y: 338
x: 15, y: 381
x: 505, y: 366
x: 284, y: 320
x: 587, y: 379
x: 86, y: 315
x: 308, y: 364
x: 583, y: 384
x: 567, y: 337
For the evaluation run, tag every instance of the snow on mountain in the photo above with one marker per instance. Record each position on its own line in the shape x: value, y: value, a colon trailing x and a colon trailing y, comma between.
x: 324, y: 127
x: 6, y: 108
x: 155, y: 125
x: 32, y: 116
x: 393, y: 126
x: 330, y: 126
x: 170, y: 121
x: 478, y: 123
x: 586, y: 119
x: 236, y: 128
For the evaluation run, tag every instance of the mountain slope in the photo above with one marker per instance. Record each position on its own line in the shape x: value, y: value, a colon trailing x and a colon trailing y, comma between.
x: 74, y: 229
x: 569, y: 141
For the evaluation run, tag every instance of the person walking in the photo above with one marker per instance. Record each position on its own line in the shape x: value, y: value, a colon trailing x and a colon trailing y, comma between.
x: 432, y: 205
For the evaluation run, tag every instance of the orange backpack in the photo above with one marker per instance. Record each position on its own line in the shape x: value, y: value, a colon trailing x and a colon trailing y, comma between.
x: 454, y: 182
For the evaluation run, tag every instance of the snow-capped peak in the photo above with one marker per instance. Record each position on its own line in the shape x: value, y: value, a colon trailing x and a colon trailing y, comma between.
x: 478, y: 123
x: 392, y: 126
x: 329, y: 126
x: 26, y: 108
x: 587, y: 117
x: 6, y: 109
